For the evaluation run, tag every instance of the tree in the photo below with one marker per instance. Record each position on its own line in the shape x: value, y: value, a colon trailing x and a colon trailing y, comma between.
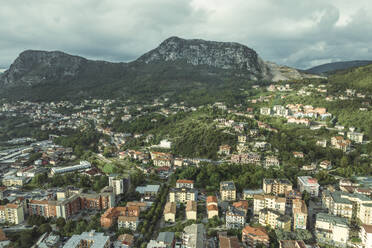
x: 45, y: 228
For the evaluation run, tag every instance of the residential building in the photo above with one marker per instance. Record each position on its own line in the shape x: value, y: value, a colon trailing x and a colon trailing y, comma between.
x: 88, y: 239
x: 308, y: 184
x: 228, y: 242
x: 365, y: 214
x: 276, y: 186
x: 252, y: 237
x: 164, y: 240
x: 227, y: 191
x: 265, y: 111
x: 241, y: 205
x: 148, y: 190
x: 9, y: 181
x: 355, y: 136
x: 182, y: 195
x: 124, y: 241
x: 191, y: 210
x: 292, y: 244
x: 339, y: 142
x: 111, y: 215
x: 270, y: 202
x: 183, y: 183
x: 224, y: 149
x: 242, y: 138
x: 274, y: 219
x: 60, y: 170
x: 212, y: 206
x: 325, y: 164
x: 235, y: 218
x: 194, y: 236
x: 365, y: 235
x: 129, y: 222
x: 249, y: 193
x: 119, y: 183
x: 12, y: 213
x: 170, y: 212
x: 271, y: 161
x: 332, y: 230
x: 299, y: 213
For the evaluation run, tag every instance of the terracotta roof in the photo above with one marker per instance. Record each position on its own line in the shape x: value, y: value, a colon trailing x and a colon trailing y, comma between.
x: 212, y: 207
x: 367, y: 228
x: 229, y: 242
x: 241, y: 204
x: 255, y: 231
x: 170, y: 207
x: 184, y: 181
x: 10, y: 205
x: 127, y: 219
x: 211, y: 198
x: 191, y: 206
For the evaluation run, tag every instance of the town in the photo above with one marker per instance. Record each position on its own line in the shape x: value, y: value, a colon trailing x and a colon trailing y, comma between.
x: 285, y: 168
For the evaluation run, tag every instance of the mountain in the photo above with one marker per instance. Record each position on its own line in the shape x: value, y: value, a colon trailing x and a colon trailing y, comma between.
x: 175, y: 65
x: 359, y: 78
x: 332, y: 67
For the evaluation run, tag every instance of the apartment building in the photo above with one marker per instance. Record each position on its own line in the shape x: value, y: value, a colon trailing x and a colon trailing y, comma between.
x: 170, y: 209
x: 194, y: 236
x: 119, y: 183
x: 331, y: 230
x: 365, y: 235
x: 227, y: 191
x: 9, y: 181
x: 274, y: 219
x: 88, y: 239
x: 183, y: 183
x: 346, y: 204
x: 212, y: 206
x: 308, y: 184
x: 299, y: 214
x: 182, y: 195
x: 12, y: 213
x: 292, y: 244
x: 191, y: 210
x: 270, y: 202
x: 111, y: 215
x: 365, y: 214
x: 128, y: 222
x: 276, y: 186
x: 253, y: 237
x: 235, y: 218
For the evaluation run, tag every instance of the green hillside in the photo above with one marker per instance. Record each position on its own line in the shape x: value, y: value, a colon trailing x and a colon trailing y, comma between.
x: 357, y: 78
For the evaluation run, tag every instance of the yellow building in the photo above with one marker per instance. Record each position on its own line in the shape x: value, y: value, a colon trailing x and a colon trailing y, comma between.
x: 299, y: 213
x: 365, y: 214
x: 12, y: 213
x: 170, y: 212
x: 228, y: 191
x: 274, y: 219
x: 191, y: 210
x: 276, y: 186
x: 14, y: 181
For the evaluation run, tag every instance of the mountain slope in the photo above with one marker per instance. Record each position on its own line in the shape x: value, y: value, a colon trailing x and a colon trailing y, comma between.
x: 357, y: 78
x: 175, y: 66
x: 332, y: 67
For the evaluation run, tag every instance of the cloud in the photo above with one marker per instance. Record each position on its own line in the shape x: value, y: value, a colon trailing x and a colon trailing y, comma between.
x: 295, y: 33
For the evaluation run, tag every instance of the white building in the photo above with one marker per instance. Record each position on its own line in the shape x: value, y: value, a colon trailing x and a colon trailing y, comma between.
x: 91, y: 239
x: 308, y: 184
x: 366, y: 235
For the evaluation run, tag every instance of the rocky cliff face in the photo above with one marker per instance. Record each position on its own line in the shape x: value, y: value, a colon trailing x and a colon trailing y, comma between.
x: 224, y: 55
x: 34, y: 67
x: 51, y: 68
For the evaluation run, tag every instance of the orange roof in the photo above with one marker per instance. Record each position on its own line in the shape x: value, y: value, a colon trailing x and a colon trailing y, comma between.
x: 10, y: 205
x: 184, y: 181
x: 212, y: 208
x: 241, y: 204
x: 255, y: 231
x: 211, y: 198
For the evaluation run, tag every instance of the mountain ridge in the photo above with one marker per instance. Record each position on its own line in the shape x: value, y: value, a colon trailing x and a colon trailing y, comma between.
x: 206, y: 61
x: 335, y: 66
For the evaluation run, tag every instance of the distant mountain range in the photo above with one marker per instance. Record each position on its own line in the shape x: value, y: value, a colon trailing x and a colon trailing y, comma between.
x: 175, y: 64
x: 332, y: 67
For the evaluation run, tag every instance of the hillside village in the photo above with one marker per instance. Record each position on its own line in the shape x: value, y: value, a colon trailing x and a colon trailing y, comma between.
x: 286, y: 168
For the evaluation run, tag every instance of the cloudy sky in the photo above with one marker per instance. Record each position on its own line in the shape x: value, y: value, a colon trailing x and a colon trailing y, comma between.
x: 299, y: 33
